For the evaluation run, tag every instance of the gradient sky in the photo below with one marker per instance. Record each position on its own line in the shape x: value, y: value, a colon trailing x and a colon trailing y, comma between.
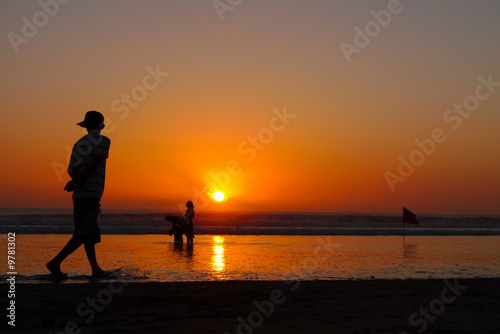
x: 353, y: 121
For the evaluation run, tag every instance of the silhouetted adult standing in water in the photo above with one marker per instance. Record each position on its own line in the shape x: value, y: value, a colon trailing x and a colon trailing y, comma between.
x: 189, y: 217
x: 87, y: 169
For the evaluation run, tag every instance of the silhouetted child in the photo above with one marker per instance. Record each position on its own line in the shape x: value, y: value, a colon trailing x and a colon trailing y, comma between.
x: 189, y: 217
x: 177, y: 228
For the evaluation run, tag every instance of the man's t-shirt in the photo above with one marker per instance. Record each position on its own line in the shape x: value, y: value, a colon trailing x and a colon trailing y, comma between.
x: 84, y: 151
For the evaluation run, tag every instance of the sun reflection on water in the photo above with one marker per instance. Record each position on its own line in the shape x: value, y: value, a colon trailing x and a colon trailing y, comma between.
x: 218, y: 257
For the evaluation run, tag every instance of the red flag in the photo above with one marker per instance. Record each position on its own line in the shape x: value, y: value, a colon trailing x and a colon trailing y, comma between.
x: 409, y: 217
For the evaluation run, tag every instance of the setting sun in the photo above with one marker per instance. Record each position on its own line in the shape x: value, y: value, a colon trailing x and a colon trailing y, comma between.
x: 218, y: 196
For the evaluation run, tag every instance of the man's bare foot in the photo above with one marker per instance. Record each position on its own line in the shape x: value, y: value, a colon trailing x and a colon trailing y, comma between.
x: 98, y: 273
x: 56, y: 271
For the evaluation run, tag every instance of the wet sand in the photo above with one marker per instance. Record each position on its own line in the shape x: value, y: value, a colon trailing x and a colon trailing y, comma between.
x: 376, y: 306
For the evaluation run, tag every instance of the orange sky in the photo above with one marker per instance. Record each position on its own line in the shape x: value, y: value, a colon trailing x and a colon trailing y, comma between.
x: 184, y: 93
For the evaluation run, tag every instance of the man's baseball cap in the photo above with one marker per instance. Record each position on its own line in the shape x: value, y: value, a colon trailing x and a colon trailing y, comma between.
x: 92, y: 118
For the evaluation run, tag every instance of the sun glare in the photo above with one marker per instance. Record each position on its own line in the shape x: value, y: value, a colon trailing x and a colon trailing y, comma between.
x: 218, y: 196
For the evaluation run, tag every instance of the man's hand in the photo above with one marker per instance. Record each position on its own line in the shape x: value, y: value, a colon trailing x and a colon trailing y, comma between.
x: 70, y: 186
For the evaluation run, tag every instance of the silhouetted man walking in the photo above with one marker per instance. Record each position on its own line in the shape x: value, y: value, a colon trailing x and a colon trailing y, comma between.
x: 87, y: 169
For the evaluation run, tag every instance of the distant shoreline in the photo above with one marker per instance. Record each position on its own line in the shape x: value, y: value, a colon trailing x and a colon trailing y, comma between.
x: 48, y: 211
x: 117, y: 230
x: 230, y: 223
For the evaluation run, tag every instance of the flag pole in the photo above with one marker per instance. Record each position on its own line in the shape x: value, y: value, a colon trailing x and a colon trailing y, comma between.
x: 404, y: 233
x: 404, y: 244
x: 409, y: 218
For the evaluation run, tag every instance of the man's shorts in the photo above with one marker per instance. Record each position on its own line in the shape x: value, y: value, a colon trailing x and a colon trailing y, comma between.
x: 85, y: 212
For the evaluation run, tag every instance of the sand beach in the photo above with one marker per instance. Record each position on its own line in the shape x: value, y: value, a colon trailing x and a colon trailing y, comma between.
x: 369, y: 306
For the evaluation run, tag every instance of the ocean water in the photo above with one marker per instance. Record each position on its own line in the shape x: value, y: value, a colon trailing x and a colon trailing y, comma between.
x: 153, y: 257
x: 57, y: 221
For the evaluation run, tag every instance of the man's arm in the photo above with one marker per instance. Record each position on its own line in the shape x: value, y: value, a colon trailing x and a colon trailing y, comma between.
x: 77, y: 178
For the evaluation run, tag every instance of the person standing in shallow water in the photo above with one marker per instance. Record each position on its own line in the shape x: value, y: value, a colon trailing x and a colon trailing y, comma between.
x: 87, y: 169
x: 189, y: 217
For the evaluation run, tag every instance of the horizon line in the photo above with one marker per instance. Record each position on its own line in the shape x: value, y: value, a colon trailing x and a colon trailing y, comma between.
x: 265, y: 212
